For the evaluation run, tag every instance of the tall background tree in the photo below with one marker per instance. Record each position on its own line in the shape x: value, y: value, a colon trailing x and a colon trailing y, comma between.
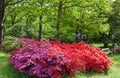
x: 114, y: 20
x: 3, y: 5
x: 2, y: 10
x: 56, y: 19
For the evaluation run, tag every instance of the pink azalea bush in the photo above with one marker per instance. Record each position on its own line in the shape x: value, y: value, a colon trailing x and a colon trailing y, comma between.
x: 51, y: 59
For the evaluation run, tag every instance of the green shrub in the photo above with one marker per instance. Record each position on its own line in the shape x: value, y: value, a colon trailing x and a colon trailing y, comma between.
x: 116, y: 38
x: 10, y: 43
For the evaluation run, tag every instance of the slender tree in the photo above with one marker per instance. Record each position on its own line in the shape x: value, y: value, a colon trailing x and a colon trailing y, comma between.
x: 40, y: 27
x: 58, y: 20
x: 3, y: 5
x: 40, y: 20
x: 2, y: 10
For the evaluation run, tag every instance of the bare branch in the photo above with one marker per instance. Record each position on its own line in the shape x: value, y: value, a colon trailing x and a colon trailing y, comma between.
x: 5, y: 17
x: 19, y: 19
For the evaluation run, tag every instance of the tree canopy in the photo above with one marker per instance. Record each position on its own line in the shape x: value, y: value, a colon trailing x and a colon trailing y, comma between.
x: 60, y: 20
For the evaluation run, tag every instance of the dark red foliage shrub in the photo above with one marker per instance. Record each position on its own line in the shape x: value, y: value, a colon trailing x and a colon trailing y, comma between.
x: 50, y: 59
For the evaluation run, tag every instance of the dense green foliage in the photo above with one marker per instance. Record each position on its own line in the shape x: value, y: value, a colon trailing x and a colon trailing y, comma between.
x: 10, y: 44
x: 86, y: 17
x: 62, y: 20
x: 114, y: 20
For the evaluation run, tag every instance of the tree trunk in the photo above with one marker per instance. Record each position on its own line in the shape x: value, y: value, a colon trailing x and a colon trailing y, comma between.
x: 2, y: 9
x: 40, y: 28
x: 113, y: 44
x: 58, y: 21
x: 28, y: 23
x: 105, y: 45
x: 76, y: 38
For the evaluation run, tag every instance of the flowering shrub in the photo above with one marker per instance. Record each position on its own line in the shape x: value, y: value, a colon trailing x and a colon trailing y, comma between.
x: 51, y: 59
x: 91, y: 58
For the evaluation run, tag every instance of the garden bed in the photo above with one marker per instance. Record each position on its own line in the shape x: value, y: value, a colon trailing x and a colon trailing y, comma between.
x: 6, y: 71
x: 51, y: 59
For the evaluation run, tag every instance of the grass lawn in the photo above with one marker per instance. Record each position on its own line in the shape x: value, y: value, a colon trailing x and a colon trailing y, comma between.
x: 6, y: 71
x: 100, y: 44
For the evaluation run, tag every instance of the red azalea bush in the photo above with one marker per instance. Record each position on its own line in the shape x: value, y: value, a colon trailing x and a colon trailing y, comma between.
x: 51, y: 59
x: 91, y: 58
